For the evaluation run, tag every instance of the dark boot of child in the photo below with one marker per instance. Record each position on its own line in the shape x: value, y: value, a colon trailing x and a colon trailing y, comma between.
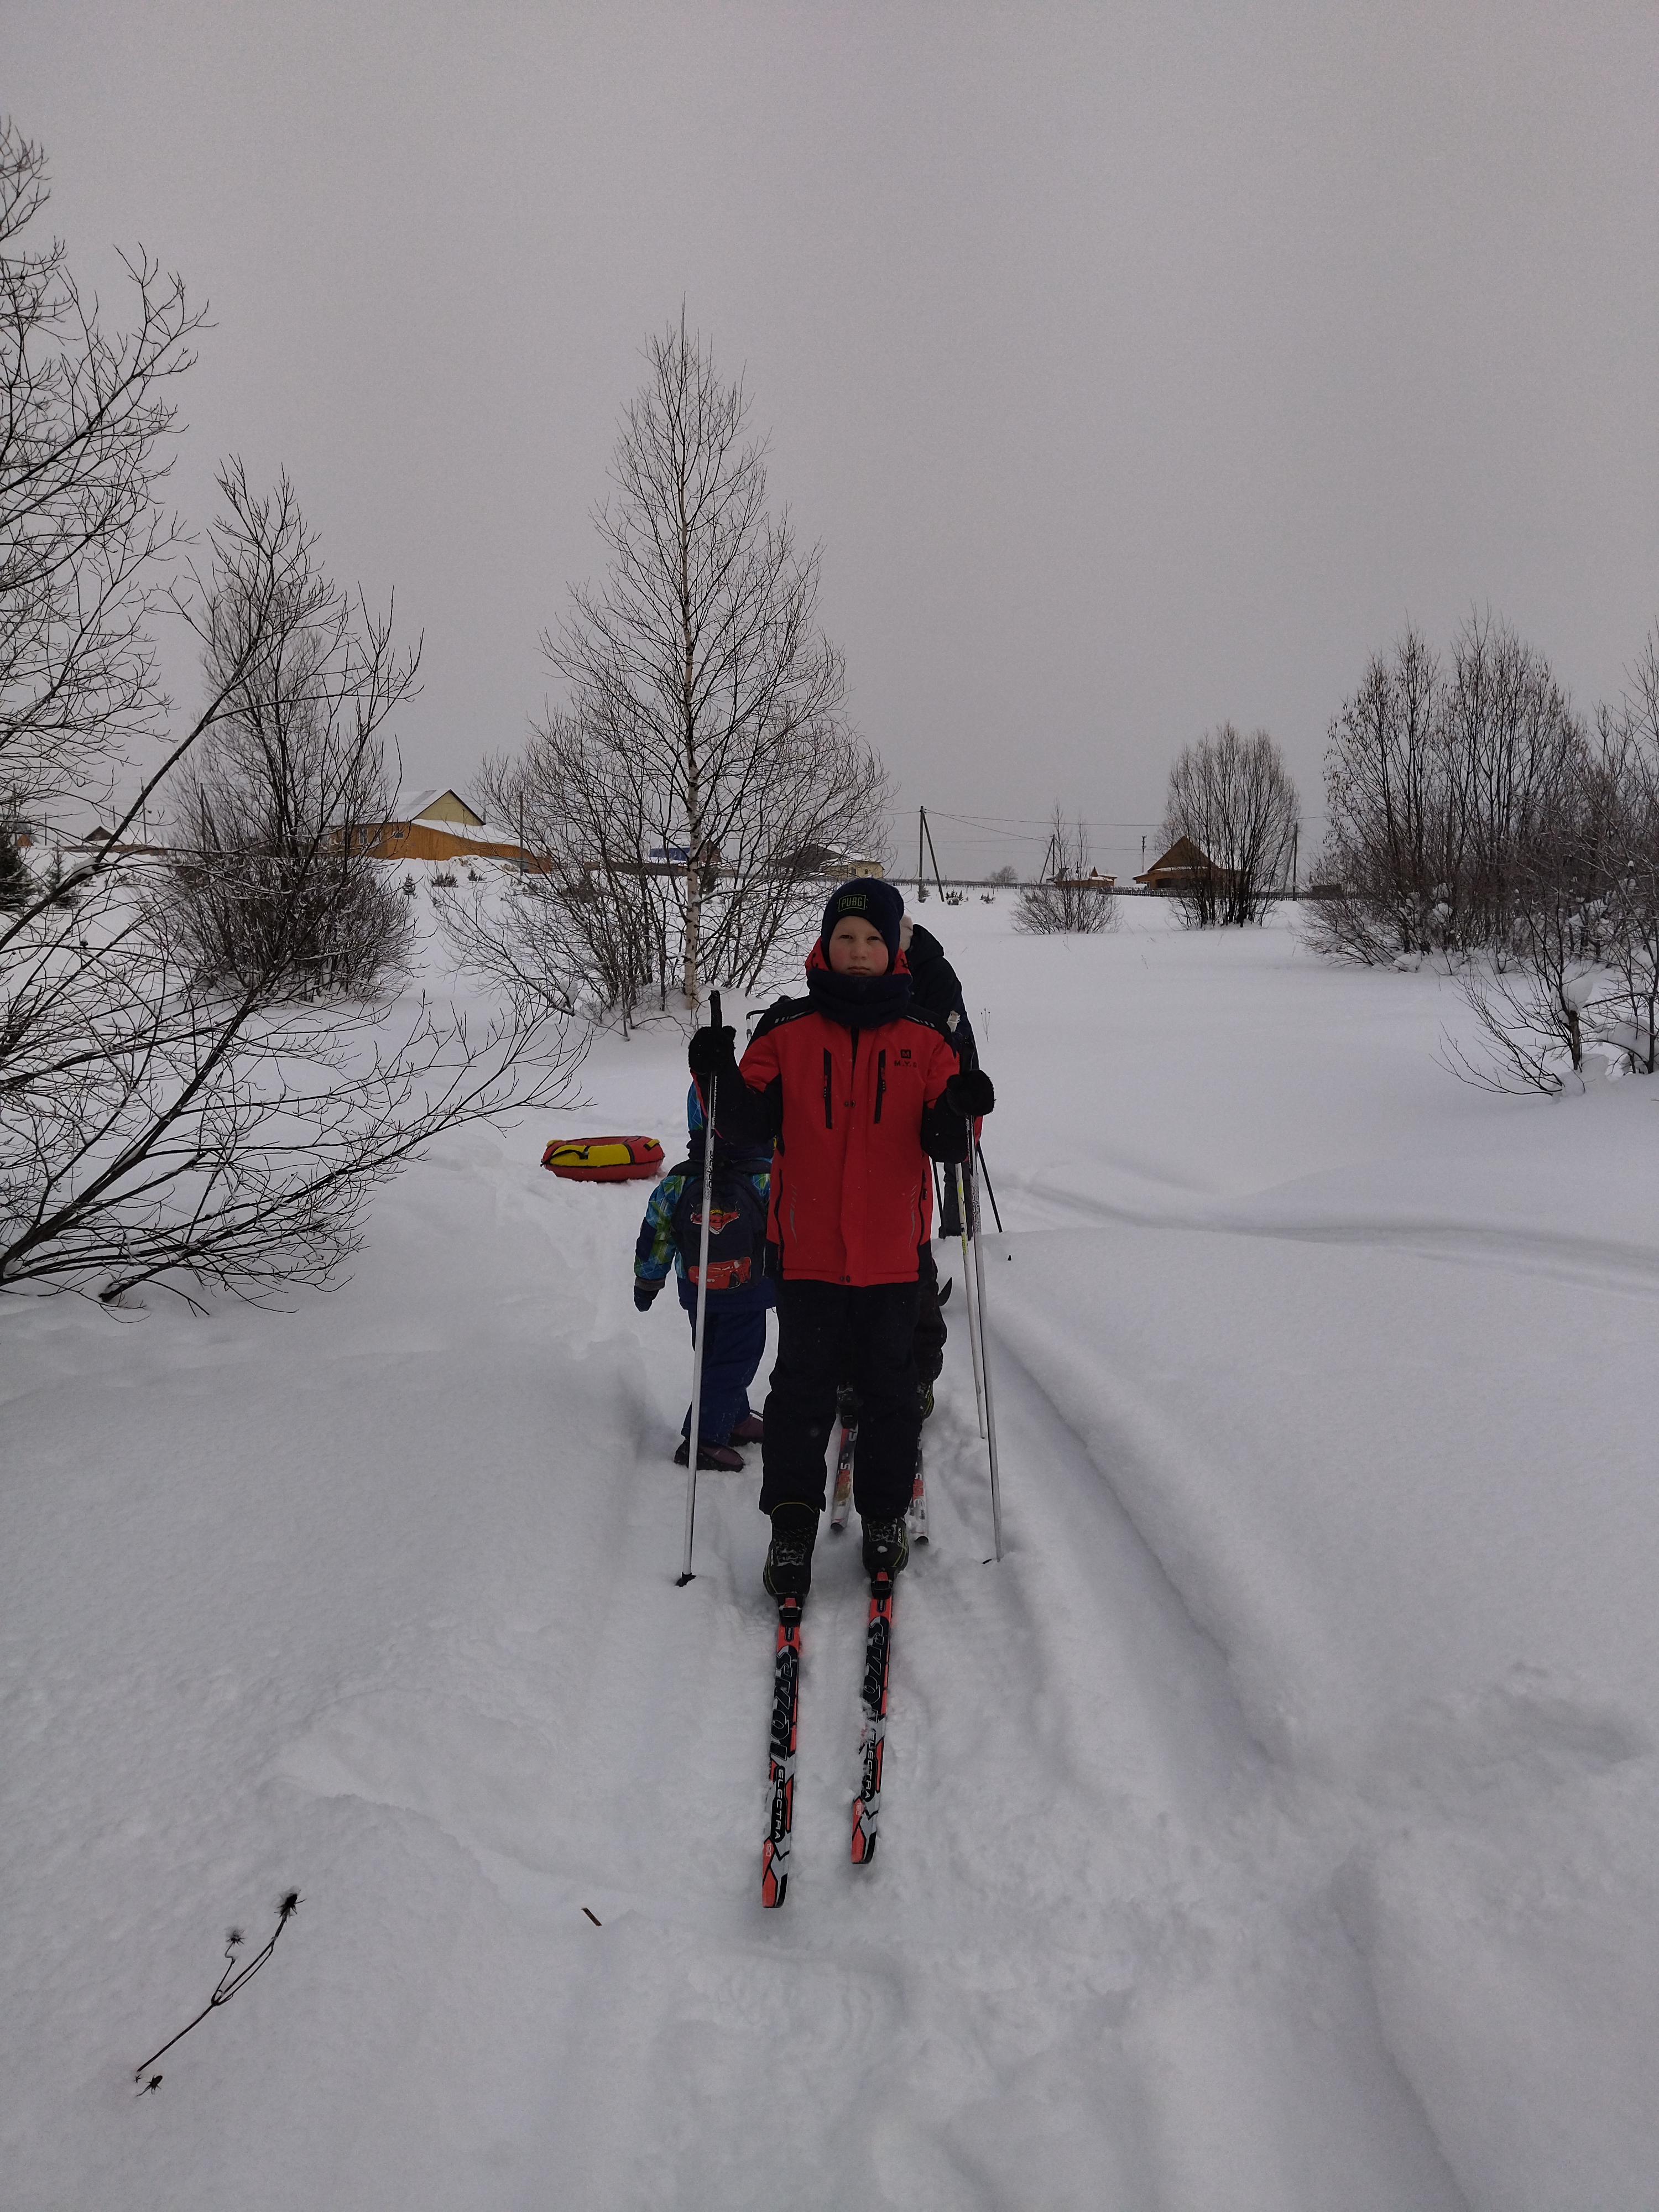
x: 788, y: 1570
x: 751, y: 1430
x: 886, y: 1549
x: 713, y: 1459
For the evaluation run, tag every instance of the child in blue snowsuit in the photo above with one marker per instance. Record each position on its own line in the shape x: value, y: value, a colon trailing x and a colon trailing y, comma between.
x: 739, y: 1288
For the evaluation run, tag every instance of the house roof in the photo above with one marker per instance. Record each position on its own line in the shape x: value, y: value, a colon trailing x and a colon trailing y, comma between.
x: 1183, y: 858
x: 421, y: 803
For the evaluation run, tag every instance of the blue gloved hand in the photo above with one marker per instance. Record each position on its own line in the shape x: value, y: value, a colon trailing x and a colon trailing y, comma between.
x: 643, y: 1294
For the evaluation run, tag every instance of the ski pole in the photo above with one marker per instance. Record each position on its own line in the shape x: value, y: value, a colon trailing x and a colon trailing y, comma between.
x: 968, y: 1294
x: 693, y: 1432
x: 990, y: 1187
x: 984, y: 1358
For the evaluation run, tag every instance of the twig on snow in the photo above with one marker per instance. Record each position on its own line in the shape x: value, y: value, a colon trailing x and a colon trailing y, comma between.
x: 229, y: 1982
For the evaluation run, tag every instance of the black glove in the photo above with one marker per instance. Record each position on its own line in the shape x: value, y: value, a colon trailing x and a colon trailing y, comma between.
x: 711, y: 1051
x: 643, y: 1294
x: 969, y: 1093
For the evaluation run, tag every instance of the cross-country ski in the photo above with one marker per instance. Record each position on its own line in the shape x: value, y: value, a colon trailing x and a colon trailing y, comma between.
x: 781, y: 1774
x: 872, y: 1701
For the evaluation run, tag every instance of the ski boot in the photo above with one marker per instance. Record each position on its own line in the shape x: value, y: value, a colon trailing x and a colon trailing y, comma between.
x: 751, y: 1430
x: 788, y: 1569
x: 886, y: 1549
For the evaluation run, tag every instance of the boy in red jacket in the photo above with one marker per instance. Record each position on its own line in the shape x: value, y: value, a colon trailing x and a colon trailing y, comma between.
x: 856, y: 1089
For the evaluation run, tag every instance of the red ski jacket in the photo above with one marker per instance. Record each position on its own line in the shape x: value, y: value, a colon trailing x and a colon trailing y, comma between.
x: 855, y: 1116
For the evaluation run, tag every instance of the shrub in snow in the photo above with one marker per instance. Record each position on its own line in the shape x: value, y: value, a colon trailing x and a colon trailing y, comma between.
x: 1475, y: 817
x: 1070, y: 900
x: 1578, y: 962
x: 1232, y: 799
x: 1439, y: 782
x: 271, y: 888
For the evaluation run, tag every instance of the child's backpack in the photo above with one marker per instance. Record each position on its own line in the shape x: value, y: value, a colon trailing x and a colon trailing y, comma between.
x: 737, y: 1224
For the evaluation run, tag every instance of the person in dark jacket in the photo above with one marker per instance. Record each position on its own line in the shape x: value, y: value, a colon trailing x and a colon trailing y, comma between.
x: 740, y: 1292
x: 856, y: 1087
x: 934, y: 985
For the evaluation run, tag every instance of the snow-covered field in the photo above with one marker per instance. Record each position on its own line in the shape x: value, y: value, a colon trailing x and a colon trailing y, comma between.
x: 1276, y: 1829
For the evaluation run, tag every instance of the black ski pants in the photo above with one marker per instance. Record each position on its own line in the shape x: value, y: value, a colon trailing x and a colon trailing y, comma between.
x: 931, y: 1332
x: 865, y: 1333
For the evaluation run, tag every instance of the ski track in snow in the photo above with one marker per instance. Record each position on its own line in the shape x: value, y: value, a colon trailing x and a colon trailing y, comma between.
x: 1132, y: 1844
x: 1207, y: 1882
x: 1598, y: 1263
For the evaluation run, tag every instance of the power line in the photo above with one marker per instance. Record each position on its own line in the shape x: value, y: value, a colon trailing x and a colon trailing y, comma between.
x: 996, y: 822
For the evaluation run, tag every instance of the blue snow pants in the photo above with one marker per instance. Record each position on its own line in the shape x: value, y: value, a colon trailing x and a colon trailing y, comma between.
x: 736, y: 1342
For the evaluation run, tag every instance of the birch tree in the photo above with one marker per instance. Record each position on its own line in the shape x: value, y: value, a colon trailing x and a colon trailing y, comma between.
x: 705, y: 723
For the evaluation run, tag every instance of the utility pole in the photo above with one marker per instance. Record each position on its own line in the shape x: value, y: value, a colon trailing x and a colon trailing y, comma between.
x: 938, y: 880
x: 1296, y: 839
x: 921, y: 840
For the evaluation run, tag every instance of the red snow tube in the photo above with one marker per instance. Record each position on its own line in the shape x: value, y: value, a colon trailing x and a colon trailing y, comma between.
x: 604, y: 1159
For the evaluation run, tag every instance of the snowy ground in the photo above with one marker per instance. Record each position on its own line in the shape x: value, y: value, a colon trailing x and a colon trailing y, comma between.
x: 1276, y: 1827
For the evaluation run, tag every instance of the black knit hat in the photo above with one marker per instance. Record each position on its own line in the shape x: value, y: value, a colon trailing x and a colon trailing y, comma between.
x: 873, y: 900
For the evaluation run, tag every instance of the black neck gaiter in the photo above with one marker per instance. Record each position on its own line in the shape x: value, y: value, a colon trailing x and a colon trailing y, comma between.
x: 858, y: 1002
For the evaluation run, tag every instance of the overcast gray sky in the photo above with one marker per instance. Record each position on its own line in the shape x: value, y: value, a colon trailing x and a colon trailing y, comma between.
x: 1138, y: 367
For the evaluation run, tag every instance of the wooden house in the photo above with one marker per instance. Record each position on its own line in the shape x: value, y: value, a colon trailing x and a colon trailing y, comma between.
x: 436, y: 825
x: 1183, y: 868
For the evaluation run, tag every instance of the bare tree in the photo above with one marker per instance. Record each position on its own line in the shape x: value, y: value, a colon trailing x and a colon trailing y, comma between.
x: 1070, y: 899
x: 1231, y: 797
x: 1391, y: 853
x: 162, y: 1118
x: 679, y: 808
x: 276, y: 809
x: 159, y: 1121
x: 1577, y: 963
x: 1630, y: 756
x: 1437, y: 786
x: 84, y: 413
x: 1537, y: 1001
